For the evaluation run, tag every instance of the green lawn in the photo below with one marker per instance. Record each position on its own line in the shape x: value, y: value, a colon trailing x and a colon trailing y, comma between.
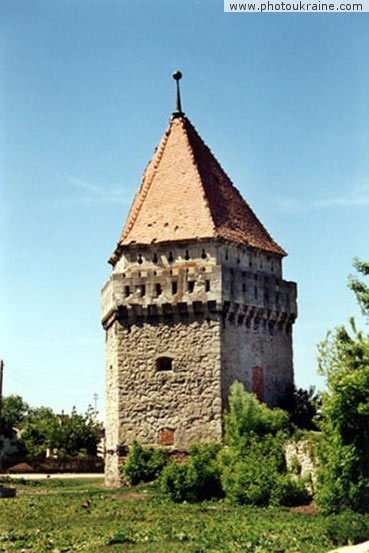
x: 49, y: 516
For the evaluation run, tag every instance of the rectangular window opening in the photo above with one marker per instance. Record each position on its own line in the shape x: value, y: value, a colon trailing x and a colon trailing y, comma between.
x: 164, y: 364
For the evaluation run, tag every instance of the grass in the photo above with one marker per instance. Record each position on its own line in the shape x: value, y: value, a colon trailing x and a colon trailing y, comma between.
x: 80, y: 515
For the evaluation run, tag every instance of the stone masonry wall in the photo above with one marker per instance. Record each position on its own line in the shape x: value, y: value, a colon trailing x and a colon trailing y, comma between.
x: 173, y: 407
x: 257, y: 345
x: 184, y: 321
x: 112, y: 422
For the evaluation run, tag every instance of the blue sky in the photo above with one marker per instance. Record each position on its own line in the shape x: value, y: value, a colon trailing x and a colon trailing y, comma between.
x: 86, y: 94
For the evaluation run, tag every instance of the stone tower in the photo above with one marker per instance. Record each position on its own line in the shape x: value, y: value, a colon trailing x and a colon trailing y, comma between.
x: 196, y: 300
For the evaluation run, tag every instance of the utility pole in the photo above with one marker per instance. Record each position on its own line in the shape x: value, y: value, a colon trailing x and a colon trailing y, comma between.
x: 1, y: 410
x: 95, y: 397
x: 1, y: 387
x: 1, y: 382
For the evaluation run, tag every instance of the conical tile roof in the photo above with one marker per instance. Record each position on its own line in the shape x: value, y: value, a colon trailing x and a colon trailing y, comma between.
x: 185, y: 195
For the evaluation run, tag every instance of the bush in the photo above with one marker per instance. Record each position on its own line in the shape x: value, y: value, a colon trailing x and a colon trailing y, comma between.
x: 144, y: 464
x: 348, y: 528
x: 197, y: 479
x: 249, y: 476
x: 253, y: 467
x: 248, y: 417
x: 289, y: 491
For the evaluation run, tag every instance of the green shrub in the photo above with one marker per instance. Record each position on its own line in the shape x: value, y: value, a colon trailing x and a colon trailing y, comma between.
x: 144, y: 464
x: 289, y: 492
x: 195, y: 480
x: 249, y: 476
x: 341, y: 484
x: 248, y: 417
x: 348, y: 528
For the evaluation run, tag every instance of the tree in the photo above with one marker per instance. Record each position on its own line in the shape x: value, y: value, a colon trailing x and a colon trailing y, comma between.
x: 343, y: 477
x: 302, y: 406
x: 42, y: 429
x: 39, y: 430
x: 77, y: 434
x: 361, y: 289
x: 13, y: 412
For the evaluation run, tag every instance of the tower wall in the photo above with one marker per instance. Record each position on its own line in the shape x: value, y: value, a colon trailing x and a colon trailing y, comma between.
x: 165, y: 405
x: 183, y: 321
x: 258, y: 356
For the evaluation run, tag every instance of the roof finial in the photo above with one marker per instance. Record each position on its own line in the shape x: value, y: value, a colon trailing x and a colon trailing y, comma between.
x: 177, y: 75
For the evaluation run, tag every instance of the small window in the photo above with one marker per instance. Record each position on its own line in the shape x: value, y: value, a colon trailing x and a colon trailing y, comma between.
x: 164, y: 364
x: 207, y: 285
x: 170, y: 257
x: 158, y: 289
x: 187, y: 256
x: 190, y: 286
x: 203, y: 254
x: 155, y: 258
x: 126, y: 291
x: 174, y: 287
x: 141, y: 290
x: 243, y: 288
x: 139, y: 259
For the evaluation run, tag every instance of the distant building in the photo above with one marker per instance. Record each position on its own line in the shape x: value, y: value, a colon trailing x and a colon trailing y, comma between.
x: 196, y: 301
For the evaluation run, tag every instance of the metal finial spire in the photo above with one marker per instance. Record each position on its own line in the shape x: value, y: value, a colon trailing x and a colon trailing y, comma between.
x: 177, y: 75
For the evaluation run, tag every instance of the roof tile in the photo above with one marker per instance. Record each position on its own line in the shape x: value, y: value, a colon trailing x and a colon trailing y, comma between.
x: 186, y: 195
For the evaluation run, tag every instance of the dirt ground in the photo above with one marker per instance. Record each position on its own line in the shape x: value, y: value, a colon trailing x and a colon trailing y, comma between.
x: 42, y: 476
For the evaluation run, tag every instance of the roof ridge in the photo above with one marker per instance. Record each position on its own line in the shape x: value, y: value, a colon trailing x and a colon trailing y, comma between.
x: 222, y: 173
x: 193, y: 159
x: 146, y: 183
x: 185, y: 194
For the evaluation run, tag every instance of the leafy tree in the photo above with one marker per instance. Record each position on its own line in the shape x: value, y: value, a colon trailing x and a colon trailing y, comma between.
x: 39, y: 430
x: 77, y: 434
x: 343, y: 476
x: 361, y: 289
x: 302, y: 406
x: 13, y: 412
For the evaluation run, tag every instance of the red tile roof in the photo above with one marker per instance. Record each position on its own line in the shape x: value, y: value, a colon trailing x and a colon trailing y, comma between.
x: 186, y: 195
